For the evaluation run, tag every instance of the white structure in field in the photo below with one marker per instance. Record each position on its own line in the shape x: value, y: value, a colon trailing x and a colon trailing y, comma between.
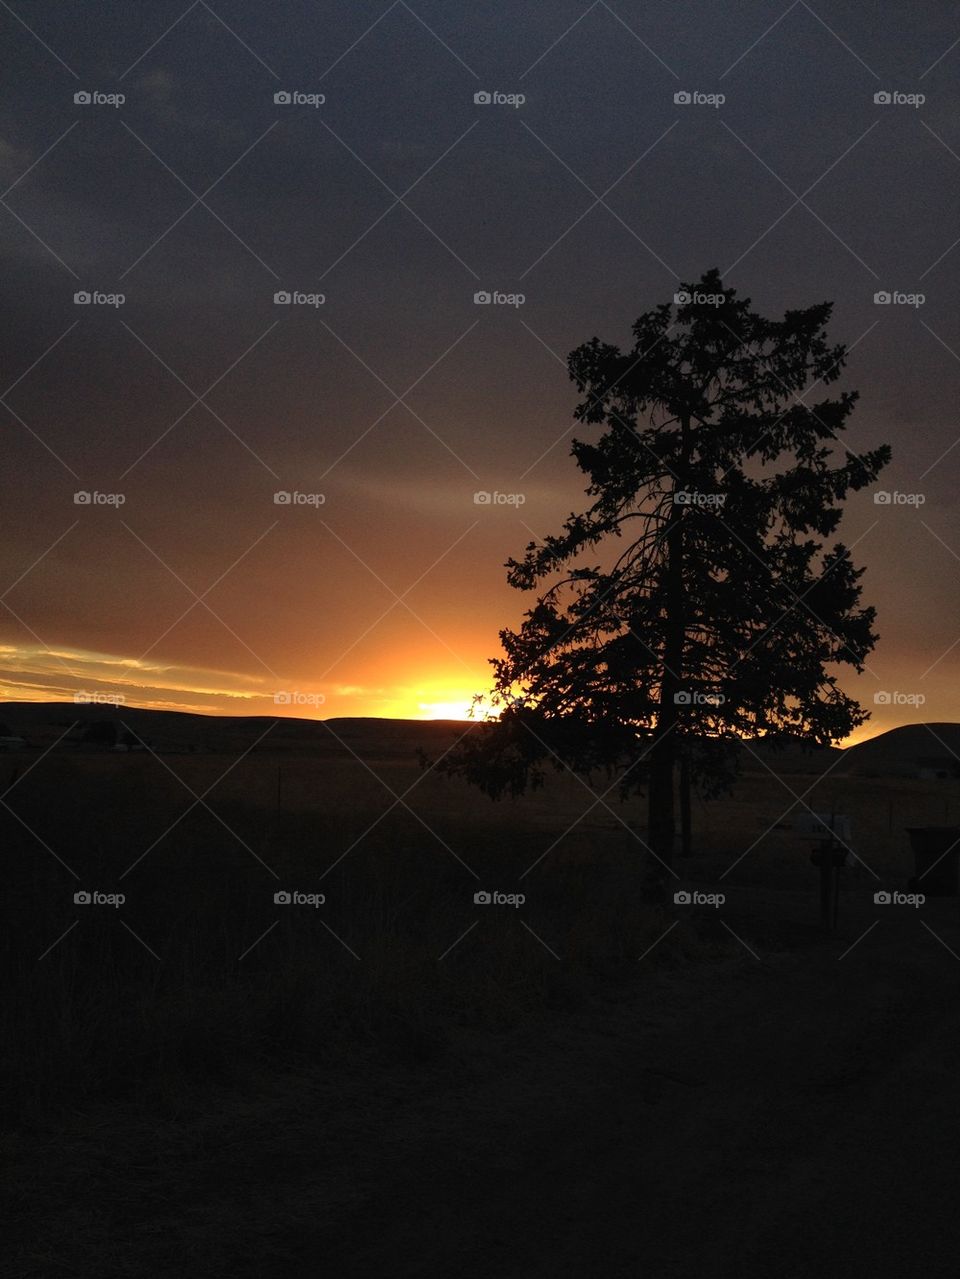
x: 820, y: 826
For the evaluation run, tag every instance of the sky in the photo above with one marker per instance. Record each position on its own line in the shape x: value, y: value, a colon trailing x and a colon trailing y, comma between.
x: 380, y: 196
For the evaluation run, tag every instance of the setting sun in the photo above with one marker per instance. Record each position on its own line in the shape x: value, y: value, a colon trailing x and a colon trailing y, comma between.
x: 458, y: 709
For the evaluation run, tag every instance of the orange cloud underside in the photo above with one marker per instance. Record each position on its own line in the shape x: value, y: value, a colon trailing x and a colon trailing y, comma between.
x: 37, y: 674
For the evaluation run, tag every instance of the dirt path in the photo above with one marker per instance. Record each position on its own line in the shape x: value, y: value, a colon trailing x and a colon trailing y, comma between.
x: 791, y: 1115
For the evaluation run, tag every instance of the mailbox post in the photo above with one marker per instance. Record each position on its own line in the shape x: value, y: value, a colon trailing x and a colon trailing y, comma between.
x: 829, y: 857
x: 831, y: 833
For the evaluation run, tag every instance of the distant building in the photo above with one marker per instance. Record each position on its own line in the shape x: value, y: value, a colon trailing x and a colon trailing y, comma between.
x: 938, y: 768
x: 10, y: 743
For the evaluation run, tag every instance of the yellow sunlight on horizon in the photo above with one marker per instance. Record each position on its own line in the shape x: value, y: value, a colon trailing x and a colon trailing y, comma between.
x: 454, y: 708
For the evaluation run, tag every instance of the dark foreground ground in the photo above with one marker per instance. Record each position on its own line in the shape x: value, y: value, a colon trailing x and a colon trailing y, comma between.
x: 787, y: 1106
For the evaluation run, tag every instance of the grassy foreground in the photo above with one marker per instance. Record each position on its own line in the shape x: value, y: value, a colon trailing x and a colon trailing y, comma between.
x: 199, y: 976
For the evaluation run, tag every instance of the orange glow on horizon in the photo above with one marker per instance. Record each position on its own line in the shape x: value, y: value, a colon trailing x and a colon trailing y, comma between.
x: 37, y: 674
x: 459, y: 709
x: 33, y: 673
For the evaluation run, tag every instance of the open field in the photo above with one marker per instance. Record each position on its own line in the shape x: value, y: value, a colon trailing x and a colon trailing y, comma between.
x: 157, y: 1052
x: 199, y: 945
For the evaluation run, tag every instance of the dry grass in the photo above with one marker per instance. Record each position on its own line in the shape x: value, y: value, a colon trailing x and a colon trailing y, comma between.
x: 361, y: 978
x: 205, y: 1113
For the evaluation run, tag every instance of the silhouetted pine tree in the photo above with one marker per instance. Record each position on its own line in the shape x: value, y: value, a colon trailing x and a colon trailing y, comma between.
x: 714, y: 612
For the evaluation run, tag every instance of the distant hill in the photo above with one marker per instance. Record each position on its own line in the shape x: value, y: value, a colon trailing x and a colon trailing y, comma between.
x: 907, y: 752
x: 902, y: 752
x: 788, y: 755
x: 42, y: 723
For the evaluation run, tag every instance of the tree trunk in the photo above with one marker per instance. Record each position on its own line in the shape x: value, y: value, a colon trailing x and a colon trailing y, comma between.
x: 660, y: 809
x: 686, y: 828
x: 663, y: 752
